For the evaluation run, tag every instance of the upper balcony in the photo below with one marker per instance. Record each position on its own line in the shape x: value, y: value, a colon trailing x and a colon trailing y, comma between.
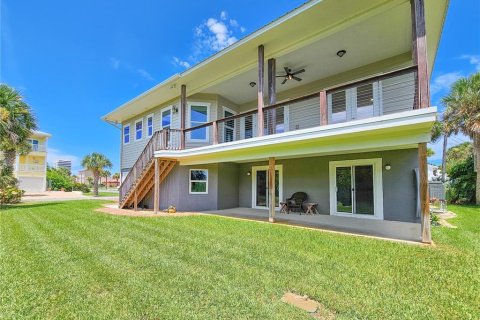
x: 38, y: 147
x: 373, y: 108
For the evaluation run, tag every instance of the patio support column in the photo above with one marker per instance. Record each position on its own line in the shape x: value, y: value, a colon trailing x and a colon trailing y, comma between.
x: 419, y: 52
x: 156, y: 191
x: 271, y: 189
x: 419, y: 57
x: 183, y: 113
x: 260, y: 104
x: 424, y: 201
x: 272, y: 95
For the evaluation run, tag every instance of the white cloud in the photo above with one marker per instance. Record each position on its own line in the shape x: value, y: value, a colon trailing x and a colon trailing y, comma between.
x: 181, y: 63
x: 213, y: 35
x: 444, y: 81
x: 144, y: 73
x: 473, y: 60
x: 115, y: 63
x: 54, y: 154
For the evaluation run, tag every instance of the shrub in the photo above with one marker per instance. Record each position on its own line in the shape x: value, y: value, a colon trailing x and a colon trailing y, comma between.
x: 10, y: 194
x: 59, y: 179
x: 77, y: 186
x: 461, y: 187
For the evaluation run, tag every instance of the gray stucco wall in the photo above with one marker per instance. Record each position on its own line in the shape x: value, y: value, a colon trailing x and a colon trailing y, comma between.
x: 311, y: 175
x: 229, y: 185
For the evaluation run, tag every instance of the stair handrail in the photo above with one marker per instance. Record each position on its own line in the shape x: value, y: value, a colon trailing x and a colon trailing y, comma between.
x: 143, y: 159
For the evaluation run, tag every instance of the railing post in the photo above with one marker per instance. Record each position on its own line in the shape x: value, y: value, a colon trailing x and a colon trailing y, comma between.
x: 323, y: 108
x: 215, y: 132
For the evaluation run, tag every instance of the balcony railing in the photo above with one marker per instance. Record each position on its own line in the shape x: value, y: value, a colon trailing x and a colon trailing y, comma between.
x: 388, y: 93
x: 38, y: 147
x: 31, y: 167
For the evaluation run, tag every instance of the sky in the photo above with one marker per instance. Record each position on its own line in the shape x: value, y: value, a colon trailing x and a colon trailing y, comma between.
x: 75, y: 61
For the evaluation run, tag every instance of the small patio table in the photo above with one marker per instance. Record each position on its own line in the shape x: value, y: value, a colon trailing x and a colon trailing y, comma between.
x: 312, y: 208
x: 284, y: 207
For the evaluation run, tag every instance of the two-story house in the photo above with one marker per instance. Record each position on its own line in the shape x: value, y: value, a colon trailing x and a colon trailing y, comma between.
x: 331, y: 99
x: 31, y: 169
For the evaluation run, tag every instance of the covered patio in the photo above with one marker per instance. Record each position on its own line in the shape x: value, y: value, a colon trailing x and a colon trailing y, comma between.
x: 396, y: 230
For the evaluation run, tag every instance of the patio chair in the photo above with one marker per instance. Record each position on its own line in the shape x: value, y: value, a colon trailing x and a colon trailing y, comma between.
x: 295, y: 202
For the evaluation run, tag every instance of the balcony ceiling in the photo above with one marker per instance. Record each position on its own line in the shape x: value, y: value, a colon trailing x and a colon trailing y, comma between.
x: 380, y: 37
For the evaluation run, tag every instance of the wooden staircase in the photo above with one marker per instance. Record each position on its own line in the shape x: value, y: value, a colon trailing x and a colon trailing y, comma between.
x: 141, y: 179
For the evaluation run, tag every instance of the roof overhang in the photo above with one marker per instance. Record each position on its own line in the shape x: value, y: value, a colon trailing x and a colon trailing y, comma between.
x: 37, y: 133
x: 394, y: 131
x: 299, y: 28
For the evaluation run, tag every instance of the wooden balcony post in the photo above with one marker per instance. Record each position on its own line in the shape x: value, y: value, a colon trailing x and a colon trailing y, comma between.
x: 323, y: 108
x: 424, y: 199
x: 156, y: 192
x: 183, y: 113
x: 215, y: 132
x: 271, y: 189
x: 419, y: 52
x: 272, y: 95
x: 260, y: 90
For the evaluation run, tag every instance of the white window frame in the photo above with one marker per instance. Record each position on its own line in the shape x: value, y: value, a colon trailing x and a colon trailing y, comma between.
x: 135, y: 127
x: 146, y: 121
x: 129, y: 134
x: 226, y: 109
x: 278, y: 167
x: 171, y: 116
x: 377, y: 187
x: 189, y: 119
x: 190, y: 181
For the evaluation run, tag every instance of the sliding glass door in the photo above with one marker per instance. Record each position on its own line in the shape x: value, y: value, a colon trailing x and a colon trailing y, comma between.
x: 260, y: 192
x: 356, y: 188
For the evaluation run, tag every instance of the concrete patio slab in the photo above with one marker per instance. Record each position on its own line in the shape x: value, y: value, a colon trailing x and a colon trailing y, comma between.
x: 396, y: 230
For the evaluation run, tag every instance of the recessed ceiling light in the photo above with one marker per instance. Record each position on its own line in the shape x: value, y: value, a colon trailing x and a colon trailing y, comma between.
x: 252, y: 84
x: 341, y: 53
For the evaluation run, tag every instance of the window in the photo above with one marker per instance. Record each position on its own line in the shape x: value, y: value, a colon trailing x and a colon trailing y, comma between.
x: 339, y: 107
x: 34, y: 145
x: 364, y: 101
x: 150, y: 125
x: 198, y: 116
x: 138, y: 130
x: 198, y: 181
x: 126, y: 134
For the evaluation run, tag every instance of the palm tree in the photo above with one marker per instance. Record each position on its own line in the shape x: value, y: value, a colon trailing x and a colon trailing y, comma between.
x: 441, y: 129
x: 116, y: 177
x: 463, y: 115
x: 96, y: 163
x: 106, y: 174
x: 16, y: 125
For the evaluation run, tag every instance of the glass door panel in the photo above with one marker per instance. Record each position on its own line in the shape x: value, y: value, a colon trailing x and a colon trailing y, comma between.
x: 364, y: 202
x: 344, y: 189
x: 262, y: 194
x: 229, y: 131
x: 364, y: 101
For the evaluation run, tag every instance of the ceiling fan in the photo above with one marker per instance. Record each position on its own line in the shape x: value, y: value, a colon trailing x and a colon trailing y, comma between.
x: 289, y: 75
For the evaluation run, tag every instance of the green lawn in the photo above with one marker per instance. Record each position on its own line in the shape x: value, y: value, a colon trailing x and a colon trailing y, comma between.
x: 102, y: 194
x: 64, y: 260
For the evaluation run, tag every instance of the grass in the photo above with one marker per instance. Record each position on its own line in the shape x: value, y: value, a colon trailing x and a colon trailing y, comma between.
x: 102, y: 194
x: 64, y: 260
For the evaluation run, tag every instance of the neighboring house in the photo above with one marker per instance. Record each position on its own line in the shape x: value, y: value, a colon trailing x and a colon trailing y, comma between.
x: 240, y: 129
x: 31, y: 169
x: 83, y: 175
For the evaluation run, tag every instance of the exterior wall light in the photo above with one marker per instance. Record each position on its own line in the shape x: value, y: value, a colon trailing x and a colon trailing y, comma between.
x: 388, y: 167
x: 341, y: 53
x: 175, y: 109
x: 249, y: 173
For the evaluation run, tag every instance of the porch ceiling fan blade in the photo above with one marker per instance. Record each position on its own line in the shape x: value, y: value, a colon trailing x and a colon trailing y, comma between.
x: 296, y: 78
x: 297, y: 72
x: 285, y: 80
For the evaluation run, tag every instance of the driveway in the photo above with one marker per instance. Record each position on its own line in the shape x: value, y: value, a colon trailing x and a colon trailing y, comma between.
x: 60, y: 196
